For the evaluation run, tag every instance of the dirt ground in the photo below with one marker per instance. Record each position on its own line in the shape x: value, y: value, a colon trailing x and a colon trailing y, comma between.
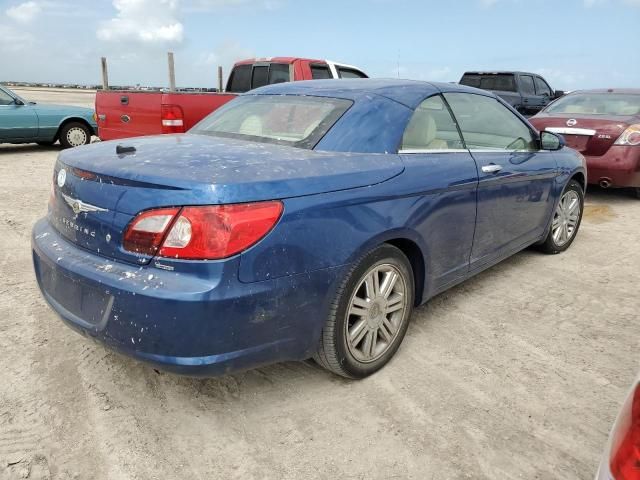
x: 516, y: 374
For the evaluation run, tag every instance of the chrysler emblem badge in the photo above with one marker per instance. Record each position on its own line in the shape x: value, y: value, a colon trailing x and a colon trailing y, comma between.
x: 571, y: 122
x: 62, y: 178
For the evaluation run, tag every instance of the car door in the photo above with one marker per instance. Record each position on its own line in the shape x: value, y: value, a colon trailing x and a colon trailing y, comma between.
x: 531, y: 102
x: 543, y: 91
x: 438, y: 166
x: 516, y: 179
x: 17, y: 121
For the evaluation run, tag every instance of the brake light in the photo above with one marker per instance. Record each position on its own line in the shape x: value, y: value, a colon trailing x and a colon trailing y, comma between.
x: 172, y: 119
x: 201, y: 233
x: 630, y: 137
x: 625, y: 451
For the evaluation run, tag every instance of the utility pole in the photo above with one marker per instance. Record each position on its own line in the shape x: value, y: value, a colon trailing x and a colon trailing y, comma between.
x: 172, y: 73
x: 105, y: 74
x: 219, y: 79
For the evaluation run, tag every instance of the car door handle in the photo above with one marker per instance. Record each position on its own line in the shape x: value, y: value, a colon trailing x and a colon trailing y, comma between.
x: 493, y: 168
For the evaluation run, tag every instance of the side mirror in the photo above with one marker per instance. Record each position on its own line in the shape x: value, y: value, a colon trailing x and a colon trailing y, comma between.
x: 551, y: 141
x: 18, y: 102
x: 558, y: 94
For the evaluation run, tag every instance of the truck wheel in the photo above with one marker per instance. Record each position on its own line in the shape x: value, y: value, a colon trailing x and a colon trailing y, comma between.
x: 74, y: 134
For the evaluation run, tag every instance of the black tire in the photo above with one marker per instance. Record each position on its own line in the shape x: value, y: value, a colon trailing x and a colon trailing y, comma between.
x: 636, y: 191
x: 333, y: 352
x: 550, y: 245
x: 66, y: 135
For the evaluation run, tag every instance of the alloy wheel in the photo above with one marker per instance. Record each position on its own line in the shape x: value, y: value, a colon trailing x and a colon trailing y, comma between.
x: 566, y: 218
x: 376, y: 313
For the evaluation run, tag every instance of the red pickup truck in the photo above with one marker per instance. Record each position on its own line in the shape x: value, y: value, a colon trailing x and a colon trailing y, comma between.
x: 124, y: 113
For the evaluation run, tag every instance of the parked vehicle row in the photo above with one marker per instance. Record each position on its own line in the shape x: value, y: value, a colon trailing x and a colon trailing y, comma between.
x: 300, y: 220
x: 22, y: 121
x: 123, y: 114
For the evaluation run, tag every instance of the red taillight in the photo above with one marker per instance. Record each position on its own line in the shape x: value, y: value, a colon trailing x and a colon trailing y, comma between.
x: 625, y: 446
x: 172, y: 119
x: 630, y: 137
x: 201, y: 233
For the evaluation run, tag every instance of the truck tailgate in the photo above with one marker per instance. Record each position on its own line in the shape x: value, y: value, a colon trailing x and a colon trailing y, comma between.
x: 123, y: 114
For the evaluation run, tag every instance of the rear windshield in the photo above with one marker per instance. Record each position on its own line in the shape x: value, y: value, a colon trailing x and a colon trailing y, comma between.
x: 286, y: 120
x: 597, y: 104
x: 503, y: 82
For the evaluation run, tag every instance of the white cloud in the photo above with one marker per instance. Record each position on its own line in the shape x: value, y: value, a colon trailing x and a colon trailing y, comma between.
x: 24, y: 12
x: 13, y: 39
x: 150, y: 22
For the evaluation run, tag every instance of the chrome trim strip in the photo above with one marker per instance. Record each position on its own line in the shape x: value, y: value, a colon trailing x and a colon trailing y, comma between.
x: 587, y: 132
x: 441, y: 150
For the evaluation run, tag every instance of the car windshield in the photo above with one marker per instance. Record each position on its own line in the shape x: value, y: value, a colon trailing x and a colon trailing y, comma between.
x: 597, y: 104
x: 297, y: 121
x: 496, y: 81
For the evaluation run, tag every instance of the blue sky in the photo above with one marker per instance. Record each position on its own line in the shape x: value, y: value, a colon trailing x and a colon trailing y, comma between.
x: 574, y: 43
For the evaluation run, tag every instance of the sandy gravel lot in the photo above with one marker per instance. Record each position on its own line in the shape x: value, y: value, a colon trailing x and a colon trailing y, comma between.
x: 516, y: 374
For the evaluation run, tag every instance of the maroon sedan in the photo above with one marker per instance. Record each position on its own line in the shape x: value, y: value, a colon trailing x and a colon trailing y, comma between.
x: 604, y: 126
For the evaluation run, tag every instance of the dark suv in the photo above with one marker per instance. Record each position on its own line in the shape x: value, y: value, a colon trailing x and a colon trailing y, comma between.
x: 526, y: 92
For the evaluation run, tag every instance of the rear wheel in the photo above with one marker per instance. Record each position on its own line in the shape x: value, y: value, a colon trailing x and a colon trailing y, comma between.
x: 369, y: 316
x: 74, y: 134
x: 566, y: 220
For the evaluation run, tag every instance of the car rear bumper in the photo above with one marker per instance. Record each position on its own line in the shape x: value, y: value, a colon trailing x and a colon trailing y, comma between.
x: 620, y: 166
x: 199, y: 325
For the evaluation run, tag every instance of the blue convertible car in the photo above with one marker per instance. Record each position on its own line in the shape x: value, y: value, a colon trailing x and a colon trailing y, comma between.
x: 301, y: 220
x: 27, y: 122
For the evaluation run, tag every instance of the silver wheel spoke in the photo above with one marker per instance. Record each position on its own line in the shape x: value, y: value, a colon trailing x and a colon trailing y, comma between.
x: 357, y: 332
x: 387, y: 330
x: 388, y: 283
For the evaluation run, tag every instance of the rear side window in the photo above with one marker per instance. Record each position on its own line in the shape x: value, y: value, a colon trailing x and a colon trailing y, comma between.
x: 350, y: 73
x: 431, y: 128
x: 279, y: 73
x: 260, y: 76
x: 470, y: 80
x: 240, y: 79
x: 526, y: 84
x: 541, y: 87
x: 486, y: 124
x: 320, y: 72
x: 499, y: 82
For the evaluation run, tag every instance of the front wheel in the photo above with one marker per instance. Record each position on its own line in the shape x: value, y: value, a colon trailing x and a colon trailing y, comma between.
x: 566, y: 220
x: 369, y: 316
x: 74, y: 134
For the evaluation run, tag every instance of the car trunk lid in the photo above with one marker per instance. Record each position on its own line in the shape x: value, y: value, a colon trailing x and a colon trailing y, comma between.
x: 586, y: 134
x: 104, y: 186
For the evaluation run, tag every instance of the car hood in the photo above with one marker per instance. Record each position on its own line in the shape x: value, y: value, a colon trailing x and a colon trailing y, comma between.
x: 212, y: 170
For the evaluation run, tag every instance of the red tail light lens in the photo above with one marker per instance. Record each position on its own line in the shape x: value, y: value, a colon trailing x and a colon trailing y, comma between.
x: 625, y: 451
x: 172, y: 119
x: 146, y: 232
x: 201, y: 233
